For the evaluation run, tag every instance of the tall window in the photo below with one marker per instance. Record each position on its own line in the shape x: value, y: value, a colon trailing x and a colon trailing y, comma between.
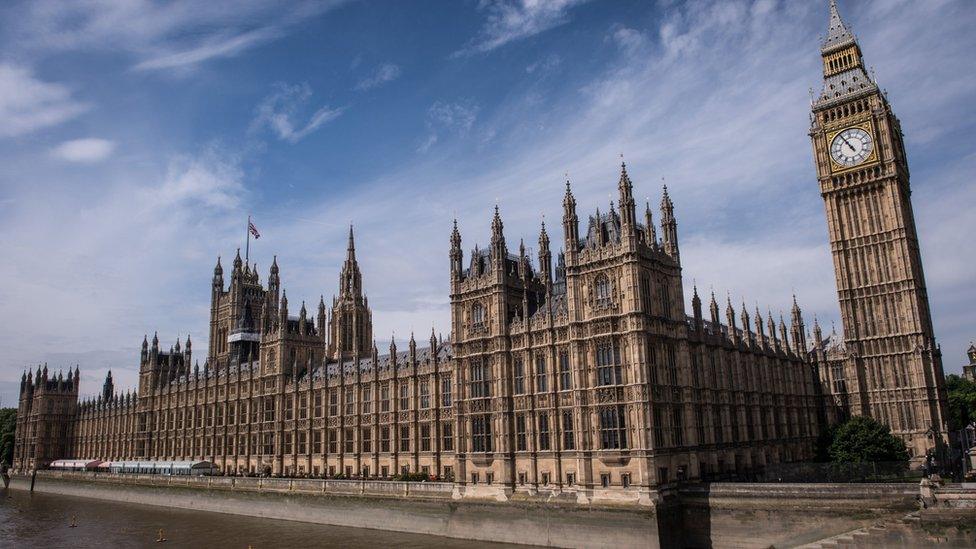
x: 367, y: 440
x: 541, y: 379
x: 333, y: 441
x: 425, y: 394
x: 425, y: 437
x: 384, y: 439
x: 404, y: 396
x: 678, y: 431
x: 565, y: 376
x: 613, y: 428
x: 350, y: 401
x: 672, y: 365
x: 318, y: 404
x: 333, y: 404
x: 446, y: 391
x: 519, y: 376
x: 481, y: 433
x: 404, y: 438
x: 478, y: 315
x: 608, y: 365
x: 367, y: 400
x: 480, y: 383
x: 544, y: 431
x: 349, y: 439
x: 602, y: 290
x: 385, y: 398
x: 447, y: 437
x: 665, y: 301
x: 569, y: 442
x: 520, y: 433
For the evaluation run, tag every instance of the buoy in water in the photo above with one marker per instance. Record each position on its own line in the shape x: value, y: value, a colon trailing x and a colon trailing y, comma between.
x: 160, y: 538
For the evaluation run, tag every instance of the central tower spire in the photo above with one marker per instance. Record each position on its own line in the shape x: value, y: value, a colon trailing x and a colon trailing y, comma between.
x: 350, y: 322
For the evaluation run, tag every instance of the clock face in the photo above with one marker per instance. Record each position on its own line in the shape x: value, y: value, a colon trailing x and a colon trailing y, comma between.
x: 851, y: 147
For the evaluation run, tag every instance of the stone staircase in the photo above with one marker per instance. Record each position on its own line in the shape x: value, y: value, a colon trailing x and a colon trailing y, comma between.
x: 912, y: 530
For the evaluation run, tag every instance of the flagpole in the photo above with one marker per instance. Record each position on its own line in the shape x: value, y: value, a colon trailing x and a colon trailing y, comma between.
x: 247, y: 245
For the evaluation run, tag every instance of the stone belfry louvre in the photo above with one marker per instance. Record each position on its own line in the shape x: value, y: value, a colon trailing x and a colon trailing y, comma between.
x: 889, y: 366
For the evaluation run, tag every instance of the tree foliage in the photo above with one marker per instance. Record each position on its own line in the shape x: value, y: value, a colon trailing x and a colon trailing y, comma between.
x: 862, y: 439
x: 8, y: 423
x: 962, y: 402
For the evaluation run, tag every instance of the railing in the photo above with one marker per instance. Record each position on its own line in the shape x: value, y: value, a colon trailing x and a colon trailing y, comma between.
x: 833, y: 472
x: 387, y: 488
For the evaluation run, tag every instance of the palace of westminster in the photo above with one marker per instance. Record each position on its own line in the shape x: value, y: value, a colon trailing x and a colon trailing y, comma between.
x: 583, y: 374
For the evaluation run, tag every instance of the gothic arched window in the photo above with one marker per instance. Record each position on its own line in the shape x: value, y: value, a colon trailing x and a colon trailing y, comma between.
x: 602, y: 290
x: 478, y: 315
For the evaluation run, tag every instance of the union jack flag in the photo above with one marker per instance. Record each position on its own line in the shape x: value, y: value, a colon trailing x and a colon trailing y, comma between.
x: 253, y: 229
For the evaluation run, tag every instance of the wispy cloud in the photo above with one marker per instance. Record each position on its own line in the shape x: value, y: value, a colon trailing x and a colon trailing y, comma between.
x: 281, y: 112
x: 386, y: 72
x: 511, y: 20
x: 178, y: 35
x: 28, y: 104
x: 87, y: 150
x: 452, y: 118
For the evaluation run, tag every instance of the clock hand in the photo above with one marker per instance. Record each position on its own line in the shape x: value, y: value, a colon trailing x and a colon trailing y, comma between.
x: 846, y: 142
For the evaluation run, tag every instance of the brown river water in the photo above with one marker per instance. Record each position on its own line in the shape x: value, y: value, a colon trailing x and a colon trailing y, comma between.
x: 44, y: 520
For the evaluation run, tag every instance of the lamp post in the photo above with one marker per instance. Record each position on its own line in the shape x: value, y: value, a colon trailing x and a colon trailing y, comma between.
x: 968, y: 433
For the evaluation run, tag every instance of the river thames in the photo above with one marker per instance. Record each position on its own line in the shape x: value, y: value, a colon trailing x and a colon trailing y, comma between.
x: 44, y: 520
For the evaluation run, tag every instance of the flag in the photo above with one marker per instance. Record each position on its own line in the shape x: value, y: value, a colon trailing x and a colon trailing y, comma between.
x: 253, y: 229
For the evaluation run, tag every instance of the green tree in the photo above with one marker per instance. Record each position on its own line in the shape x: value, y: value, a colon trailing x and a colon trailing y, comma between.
x: 961, y: 394
x: 862, y: 439
x: 8, y: 422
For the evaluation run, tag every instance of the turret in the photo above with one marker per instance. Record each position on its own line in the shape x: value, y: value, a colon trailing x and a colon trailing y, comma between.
x: 696, y: 307
x: 457, y: 256
x: 744, y: 315
x: 713, y: 310
x: 651, y: 232
x: 545, y: 258
x: 283, y: 312
x: 669, y: 227
x: 108, y: 388
x: 570, y: 224
x: 144, y: 356
x: 783, y: 334
x: 628, y: 208
x: 302, y: 320
x: 274, y: 280
x: 730, y: 320
x: 499, y: 251
x: 321, y: 319
x: 797, y: 330
x: 218, y: 277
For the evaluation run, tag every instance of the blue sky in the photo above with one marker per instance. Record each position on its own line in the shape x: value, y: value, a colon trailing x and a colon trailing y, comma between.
x: 136, y: 137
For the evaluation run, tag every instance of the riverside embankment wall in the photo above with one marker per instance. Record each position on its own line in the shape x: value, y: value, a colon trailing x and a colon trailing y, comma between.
x: 706, y: 515
x: 428, y: 509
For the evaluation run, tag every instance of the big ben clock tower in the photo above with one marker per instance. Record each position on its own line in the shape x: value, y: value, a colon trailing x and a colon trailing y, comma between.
x: 893, y: 367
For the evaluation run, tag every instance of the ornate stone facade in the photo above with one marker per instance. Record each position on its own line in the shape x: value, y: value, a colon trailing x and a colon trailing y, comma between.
x: 582, y: 375
x: 889, y: 366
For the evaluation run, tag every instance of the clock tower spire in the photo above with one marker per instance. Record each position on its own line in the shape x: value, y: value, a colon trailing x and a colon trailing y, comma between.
x: 893, y: 367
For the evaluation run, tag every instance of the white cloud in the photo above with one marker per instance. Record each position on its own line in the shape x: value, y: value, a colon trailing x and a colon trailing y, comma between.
x: 511, y: 20
x: 28, y: 104
x: 87, y: 150
x: 545, y: 65
x: 386, y: 72
x: 281, y: 113
x: 213, y: 178
x: 454, y: 118
x: 629, y: 40
x: 176, y: 35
